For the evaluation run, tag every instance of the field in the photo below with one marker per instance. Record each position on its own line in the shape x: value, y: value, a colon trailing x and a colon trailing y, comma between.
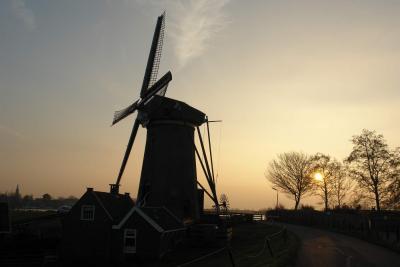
x: 18, y: 216
x: 248, y: 247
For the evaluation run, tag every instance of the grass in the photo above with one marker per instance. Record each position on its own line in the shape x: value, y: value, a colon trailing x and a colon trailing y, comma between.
x: 249, y: 248
x: 26, y: 215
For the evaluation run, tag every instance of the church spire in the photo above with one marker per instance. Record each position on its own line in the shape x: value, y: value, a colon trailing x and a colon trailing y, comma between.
x: 17, y: 193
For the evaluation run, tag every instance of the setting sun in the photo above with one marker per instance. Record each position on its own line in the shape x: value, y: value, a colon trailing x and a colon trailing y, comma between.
x: 318, y: 176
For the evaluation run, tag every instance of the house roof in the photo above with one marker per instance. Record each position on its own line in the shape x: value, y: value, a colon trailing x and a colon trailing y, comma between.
x: 115, y: 205
x: 163, y: 217
x: 160, y: 218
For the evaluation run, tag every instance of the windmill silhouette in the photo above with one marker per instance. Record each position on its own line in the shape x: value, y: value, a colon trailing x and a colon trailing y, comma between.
x: 168, y: 176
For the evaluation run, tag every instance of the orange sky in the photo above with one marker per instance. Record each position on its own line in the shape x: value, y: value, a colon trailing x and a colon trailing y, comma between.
x: 282, y: 75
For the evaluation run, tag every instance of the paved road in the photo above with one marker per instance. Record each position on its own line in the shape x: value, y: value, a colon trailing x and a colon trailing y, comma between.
x: 326, y: 249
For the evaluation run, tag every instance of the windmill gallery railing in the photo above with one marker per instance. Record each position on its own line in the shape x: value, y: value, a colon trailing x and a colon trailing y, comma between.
x: 382, y: 228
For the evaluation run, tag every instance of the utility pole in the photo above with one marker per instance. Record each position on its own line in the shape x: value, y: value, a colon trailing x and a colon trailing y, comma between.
x: 277, y: 197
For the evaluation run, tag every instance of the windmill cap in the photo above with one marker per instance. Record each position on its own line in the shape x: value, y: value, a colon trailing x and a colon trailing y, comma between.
x: 164, y: 108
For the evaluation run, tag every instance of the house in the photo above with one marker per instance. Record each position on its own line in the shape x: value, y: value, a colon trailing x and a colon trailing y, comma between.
x: 146, y: 232
x: 107, y: 227
x: 87, y: 228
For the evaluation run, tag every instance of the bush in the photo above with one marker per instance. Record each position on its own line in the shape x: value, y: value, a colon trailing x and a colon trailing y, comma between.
x: 307, y: 207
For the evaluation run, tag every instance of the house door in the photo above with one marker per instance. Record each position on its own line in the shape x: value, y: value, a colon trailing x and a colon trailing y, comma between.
x: 130, y: 241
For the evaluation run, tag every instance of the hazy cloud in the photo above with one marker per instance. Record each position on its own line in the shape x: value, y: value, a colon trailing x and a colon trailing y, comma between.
x: 193, y: 24
x: 23, y: 13
x: 11, y: 132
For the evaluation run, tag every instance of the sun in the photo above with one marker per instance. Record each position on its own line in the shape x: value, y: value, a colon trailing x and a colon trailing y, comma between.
x: 318, y: 176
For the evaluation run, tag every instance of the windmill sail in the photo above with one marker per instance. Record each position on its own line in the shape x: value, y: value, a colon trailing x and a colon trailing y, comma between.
x: 121, y: 114
x: 150, y: 87
x: 153, y: 62
x: 160, y: 86
x: 157, y: 58
x: 128, y: 150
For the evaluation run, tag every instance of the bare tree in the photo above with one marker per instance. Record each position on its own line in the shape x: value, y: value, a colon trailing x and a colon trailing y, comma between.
x: 341, y: 184
x: 372, y: 164
x: 323, y: 169
x: 393, y: 189
x: 291, y: 173
x: 393, y: 200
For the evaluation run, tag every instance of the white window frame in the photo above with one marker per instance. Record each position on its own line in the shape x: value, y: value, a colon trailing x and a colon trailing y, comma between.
x: 130, y: 234
x: 82, y: 213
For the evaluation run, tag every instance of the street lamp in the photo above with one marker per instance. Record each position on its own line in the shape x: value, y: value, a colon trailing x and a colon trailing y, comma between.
x: 277, y: 197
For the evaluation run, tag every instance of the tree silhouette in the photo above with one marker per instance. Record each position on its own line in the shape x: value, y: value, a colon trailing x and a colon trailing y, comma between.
x: 341, y: 185
x: 325, y: 166
x: 291, y: 173
x: 47, y: 197
x: 372, y: 164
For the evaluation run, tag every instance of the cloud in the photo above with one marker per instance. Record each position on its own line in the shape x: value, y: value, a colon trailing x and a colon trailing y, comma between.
x: 193, y: 24
x: 23, y: 13
x: 11, y: 132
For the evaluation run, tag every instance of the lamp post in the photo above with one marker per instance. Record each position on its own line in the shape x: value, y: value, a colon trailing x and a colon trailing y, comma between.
x: 277, y: 197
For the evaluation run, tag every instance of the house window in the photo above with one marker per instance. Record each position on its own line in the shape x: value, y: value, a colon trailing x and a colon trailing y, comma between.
x: 130, y: 241
x: 87, y: 212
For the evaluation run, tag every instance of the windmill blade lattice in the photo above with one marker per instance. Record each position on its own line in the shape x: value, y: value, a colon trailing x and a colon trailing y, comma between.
x: 153, y: 61
x: 157, y: 58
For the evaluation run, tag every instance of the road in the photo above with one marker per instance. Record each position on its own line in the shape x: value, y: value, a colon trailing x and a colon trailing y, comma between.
x: 326, y: 249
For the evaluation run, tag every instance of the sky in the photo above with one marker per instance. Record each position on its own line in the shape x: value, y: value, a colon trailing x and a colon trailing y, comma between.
x: 281, y: 75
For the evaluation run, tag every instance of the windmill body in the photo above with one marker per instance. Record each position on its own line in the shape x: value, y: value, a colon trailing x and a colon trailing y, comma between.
x: 168, y: 175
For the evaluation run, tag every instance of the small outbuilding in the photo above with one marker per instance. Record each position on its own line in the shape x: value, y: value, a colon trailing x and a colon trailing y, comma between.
x: 146, y: 232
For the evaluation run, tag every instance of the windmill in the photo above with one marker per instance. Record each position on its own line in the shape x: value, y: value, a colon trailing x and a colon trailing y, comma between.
x: 150, y: 88
x: 168, y: 176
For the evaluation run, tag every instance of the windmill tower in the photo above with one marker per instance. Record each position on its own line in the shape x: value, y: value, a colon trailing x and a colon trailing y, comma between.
x: 168, y: 176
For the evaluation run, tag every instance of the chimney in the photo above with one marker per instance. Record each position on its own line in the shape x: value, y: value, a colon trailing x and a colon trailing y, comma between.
x: 114, y: 189
x: 89, y: 189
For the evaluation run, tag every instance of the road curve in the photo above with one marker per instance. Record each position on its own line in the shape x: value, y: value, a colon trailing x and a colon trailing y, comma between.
x: 326, y: 249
